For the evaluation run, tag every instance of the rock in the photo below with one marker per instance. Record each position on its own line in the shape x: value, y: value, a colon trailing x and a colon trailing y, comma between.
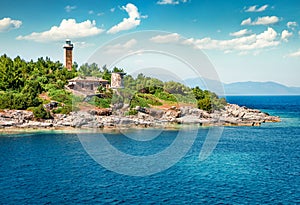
x: 205, y: 114
x: 126, y: 121
x: 189, y: 120
x: 231, y: 120
x: 190, y: 111
x: 172, y: 113
x: 241, y: 114
x: 142, y: 109
x: 272, y: 119
x: 66, y: 124
x: 45, y: 124
x: 101, y: 112
x: 235, y: 113
x: 17, y: 114
x: 99, y: 118
x: 93, y: 125
x: 78, y: 122
x: 173, y: 108
x: 51, y: 105
x: 256, y: 123
x: 144, y: 116
x: 156, y: 113
x: 8, y: 123
x: 118, y: 106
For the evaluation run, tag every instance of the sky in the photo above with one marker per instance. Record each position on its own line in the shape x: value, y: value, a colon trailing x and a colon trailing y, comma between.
x: 245, y: 40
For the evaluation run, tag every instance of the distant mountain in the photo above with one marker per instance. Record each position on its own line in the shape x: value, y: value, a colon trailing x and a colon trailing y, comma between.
x: 259, y: 88
x: 247, y: 88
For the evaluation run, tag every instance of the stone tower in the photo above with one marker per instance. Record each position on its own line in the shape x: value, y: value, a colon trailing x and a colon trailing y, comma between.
x: 68, y: 54
x: 117, y: 80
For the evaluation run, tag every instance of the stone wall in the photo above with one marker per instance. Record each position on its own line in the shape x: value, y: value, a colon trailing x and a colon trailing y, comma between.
x: 117, y: 80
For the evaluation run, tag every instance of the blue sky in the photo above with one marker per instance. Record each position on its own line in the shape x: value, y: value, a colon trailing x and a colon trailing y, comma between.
x: 245, y: 40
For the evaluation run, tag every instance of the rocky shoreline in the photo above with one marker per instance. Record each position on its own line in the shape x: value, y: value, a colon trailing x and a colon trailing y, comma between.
x: 232, y: 115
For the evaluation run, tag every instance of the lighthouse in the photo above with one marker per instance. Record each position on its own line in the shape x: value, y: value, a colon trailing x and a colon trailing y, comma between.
x: 68, y: 47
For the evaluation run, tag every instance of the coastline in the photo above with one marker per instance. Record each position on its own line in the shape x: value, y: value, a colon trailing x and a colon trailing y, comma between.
x: 18, y: 121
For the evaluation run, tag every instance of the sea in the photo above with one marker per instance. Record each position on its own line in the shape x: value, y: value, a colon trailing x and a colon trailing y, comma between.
x: 248, y: 165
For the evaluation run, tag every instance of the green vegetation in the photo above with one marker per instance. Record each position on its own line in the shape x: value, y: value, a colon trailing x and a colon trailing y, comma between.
x: 40, y: 113
x: 169, y: 92
x: 107, y: 94
x: 100, y: 102
x: 142, y: 87
x: 29, y: 85
x: 132, y: 112
x: 15, y: 100
x: 93, y: 70
x: 146, y: 92
x: 22, y: 82
x: 207, y: 100
x: 107, y: 98
x: 144, y: 100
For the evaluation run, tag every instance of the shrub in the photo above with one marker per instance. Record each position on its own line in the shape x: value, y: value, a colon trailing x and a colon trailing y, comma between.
x: 205, y: 104
x: 100, y: 102
x: 60, y: 96
x: 63, y: 110
x: 150, y: 99
x: 40, y: 113
x: 10, y: 100
x: 138, y: 101
x: 131, y: 112
x: 166, y: 96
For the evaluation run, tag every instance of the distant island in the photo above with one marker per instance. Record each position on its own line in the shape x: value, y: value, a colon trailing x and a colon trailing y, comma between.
x: 46, y: 94
x: 248, y: 88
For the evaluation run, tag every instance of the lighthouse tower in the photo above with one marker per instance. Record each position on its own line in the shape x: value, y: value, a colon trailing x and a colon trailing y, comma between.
x: 68, y: 47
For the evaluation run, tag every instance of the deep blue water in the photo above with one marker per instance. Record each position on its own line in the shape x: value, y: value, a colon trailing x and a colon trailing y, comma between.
x: 250, y: 165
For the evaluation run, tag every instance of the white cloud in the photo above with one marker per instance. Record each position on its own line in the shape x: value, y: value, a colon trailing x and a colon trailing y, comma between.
x: 119, y: 48
x: 171, y: 2
x: 255, y: 8
x: 112, y: 10
x: 246, y: 22
x: 131, y: 22
x: 295, y: 54
x: 241, y: 44
x: 163, y: 2
x: 67, y: 29
x: 285, y: 35
x: 82, y: 44
x: 292, y: 24
x: 265, y: 20
x: 169, y: 38
x: 100, y: 14
x: 7, y: 24
x: 91, y: 12
x: 239, y: 33
x: 70, y: 8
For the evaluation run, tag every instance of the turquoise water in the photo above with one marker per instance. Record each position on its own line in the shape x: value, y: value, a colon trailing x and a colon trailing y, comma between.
x: 250, y: 165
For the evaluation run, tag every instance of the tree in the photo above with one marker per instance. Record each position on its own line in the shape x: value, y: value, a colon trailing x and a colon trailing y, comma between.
x: 21, y: 82
x: 176, y: 88
x: 106, y: 75
x: 198, y: 93
x: 207, y: 100
x: 40, y: 113
x: 117, y: 70
x: 205, y: 104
